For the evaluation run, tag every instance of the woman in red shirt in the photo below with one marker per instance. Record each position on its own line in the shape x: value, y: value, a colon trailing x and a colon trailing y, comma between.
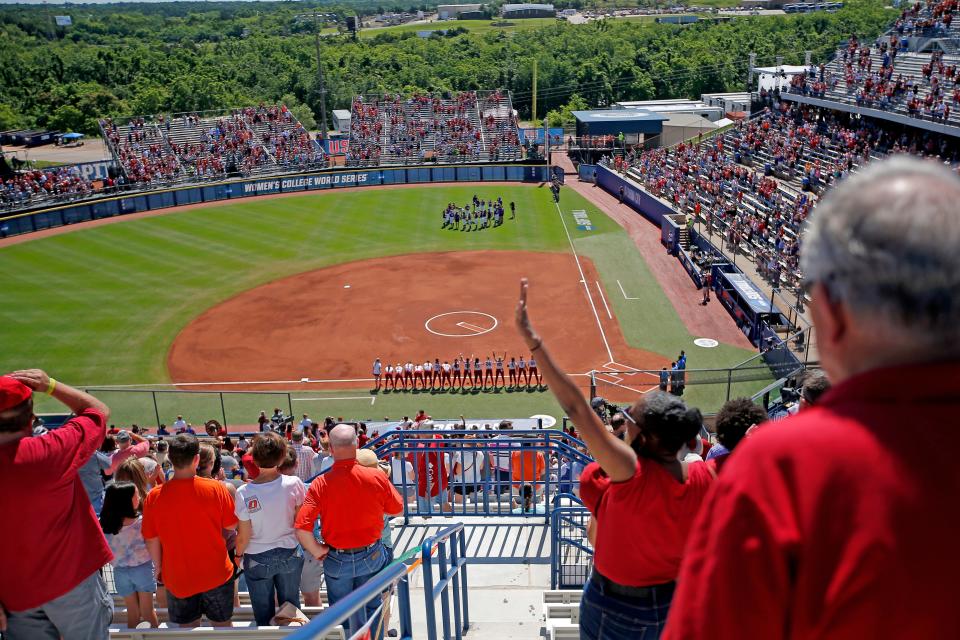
x: 642, y: 499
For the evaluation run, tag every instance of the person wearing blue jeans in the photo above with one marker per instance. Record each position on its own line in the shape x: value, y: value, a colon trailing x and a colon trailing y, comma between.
x: 351, y: 501
x: 345, y: 571
x: 272, y: 576
x: 266, y: 508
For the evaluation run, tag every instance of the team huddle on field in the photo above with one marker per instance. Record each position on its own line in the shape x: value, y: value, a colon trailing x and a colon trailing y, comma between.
x: 459, y: 374
x: 481, y: 214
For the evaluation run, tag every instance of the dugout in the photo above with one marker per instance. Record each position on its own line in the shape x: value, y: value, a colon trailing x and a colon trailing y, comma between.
x: 635, y: 126
x: 754, y: 312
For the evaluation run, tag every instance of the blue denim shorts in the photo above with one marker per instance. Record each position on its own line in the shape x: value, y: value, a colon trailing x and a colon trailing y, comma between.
x: 139, y: 579
x: 432, y: 504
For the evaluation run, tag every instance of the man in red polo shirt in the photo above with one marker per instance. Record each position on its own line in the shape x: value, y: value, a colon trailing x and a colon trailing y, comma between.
x: 51, y: 545
x: 840, y: 522
x: 351, y: 502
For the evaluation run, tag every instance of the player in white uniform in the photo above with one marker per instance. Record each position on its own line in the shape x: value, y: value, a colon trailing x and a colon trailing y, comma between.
x: 377, y: 371
x: 418, y: 375
x: 388, y: 377
x: 427, y: 374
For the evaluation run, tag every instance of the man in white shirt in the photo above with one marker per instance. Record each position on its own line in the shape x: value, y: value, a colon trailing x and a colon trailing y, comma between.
x: 179, y: 424
x: 402, y: 476
x: 305, y: 456
x: 467, y: 470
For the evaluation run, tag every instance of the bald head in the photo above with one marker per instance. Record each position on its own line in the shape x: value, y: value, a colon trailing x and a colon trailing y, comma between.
x: 343, y: 442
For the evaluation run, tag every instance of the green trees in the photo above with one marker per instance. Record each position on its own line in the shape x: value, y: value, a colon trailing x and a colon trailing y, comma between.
x: 121, y: 60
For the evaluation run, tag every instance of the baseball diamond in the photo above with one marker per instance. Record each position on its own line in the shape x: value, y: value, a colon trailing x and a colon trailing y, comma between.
x: 278, y: 288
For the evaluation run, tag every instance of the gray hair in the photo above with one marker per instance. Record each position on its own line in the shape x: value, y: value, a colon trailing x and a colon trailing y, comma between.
x: 885, y: 242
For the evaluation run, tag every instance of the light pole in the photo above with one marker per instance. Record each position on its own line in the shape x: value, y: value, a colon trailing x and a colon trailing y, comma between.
x: 320, y: 80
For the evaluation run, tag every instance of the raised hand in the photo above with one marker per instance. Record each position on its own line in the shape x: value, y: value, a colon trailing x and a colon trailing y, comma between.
x: 522, y: 318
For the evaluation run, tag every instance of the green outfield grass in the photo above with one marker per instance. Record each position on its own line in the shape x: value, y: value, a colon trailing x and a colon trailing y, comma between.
x: 101, y: 305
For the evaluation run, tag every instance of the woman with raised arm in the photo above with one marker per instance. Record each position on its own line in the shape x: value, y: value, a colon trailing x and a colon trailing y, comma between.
x: 642, y: 501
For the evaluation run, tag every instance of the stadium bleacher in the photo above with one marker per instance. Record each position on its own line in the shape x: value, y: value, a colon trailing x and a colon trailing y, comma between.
x: 249, y: 141
x: 467, y: 126
x: 756, y: 183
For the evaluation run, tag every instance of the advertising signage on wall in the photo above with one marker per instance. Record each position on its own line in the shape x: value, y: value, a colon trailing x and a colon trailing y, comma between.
x: 308, y: 182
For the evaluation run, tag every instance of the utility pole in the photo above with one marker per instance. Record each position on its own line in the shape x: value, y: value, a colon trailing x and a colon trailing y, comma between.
x: 323, y: 86
x: 534, y: 108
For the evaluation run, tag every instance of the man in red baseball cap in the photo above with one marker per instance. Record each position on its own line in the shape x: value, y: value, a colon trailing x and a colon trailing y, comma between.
x: 50, y: 584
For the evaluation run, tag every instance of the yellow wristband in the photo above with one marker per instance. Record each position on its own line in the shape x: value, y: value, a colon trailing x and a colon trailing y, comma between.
x: 51, y: 387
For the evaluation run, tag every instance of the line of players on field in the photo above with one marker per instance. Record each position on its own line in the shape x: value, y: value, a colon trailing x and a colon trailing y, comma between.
x: 483, y: 214
x: 459, y: 374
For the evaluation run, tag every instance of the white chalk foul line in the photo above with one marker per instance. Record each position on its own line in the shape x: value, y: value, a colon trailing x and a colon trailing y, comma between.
x: 372, y: 399
x: 471, y: 327
x: 604, y: 299
x: 583, y: 279
x: 625, y: 296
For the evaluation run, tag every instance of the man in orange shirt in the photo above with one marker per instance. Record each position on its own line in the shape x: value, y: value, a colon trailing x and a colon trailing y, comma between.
x: 351, y: 502
x: 183, y: 521
x: 527, y: 466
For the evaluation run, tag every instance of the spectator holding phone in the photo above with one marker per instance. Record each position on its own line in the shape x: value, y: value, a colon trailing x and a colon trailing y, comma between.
x: 45, y: 507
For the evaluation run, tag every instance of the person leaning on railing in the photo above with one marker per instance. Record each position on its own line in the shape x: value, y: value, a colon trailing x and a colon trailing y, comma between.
x: 642, y: 499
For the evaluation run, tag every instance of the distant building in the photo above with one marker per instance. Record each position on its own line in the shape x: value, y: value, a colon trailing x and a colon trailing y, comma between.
x: 671, y: 107
x: 532, y: 10
x: 453, y: 11
x: 341, y: 120
x: 634, y: 126
x: 737, y: 102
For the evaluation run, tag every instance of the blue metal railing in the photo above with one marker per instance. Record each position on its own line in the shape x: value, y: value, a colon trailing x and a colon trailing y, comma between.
x: 339, y: 612
x: 478, y: 473
x: 571, y: 554
x: 448, y: 546
x: 451, y: 562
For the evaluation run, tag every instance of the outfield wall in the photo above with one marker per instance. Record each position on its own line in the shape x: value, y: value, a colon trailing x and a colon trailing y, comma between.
x: 120, y: 205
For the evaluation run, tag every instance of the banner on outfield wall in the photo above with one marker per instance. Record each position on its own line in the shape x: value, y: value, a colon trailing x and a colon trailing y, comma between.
x: 94, y: 170
x: 308, y: 182
x: 336, y: 146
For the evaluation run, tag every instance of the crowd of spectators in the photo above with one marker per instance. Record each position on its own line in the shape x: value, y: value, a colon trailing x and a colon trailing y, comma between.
x: 166, y: 148
x: 817, y: 520
x: 36, y: 185
x: 869, y: 75
x: 141, y: 150
x: 758, y: 182
x: 463, y: 126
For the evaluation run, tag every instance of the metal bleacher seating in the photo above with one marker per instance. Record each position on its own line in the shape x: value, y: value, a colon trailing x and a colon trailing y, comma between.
x: 461, y: 127
x: 193, y: 146
x: 243, y: 625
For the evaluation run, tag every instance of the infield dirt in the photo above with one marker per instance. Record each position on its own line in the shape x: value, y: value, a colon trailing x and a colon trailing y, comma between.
x: 333, y: 322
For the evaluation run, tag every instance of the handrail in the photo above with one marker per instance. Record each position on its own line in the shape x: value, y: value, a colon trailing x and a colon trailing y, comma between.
x: 452, y: 563
x: 358, y: 598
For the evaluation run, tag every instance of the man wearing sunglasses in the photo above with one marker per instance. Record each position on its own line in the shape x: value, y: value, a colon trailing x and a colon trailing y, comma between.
x: 838, y: 522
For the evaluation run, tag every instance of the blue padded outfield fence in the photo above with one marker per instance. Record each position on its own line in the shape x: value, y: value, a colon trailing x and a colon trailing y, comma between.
x: 125, y: 203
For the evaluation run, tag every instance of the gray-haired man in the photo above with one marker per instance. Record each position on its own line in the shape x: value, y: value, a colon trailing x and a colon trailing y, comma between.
x: 835, y: 522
